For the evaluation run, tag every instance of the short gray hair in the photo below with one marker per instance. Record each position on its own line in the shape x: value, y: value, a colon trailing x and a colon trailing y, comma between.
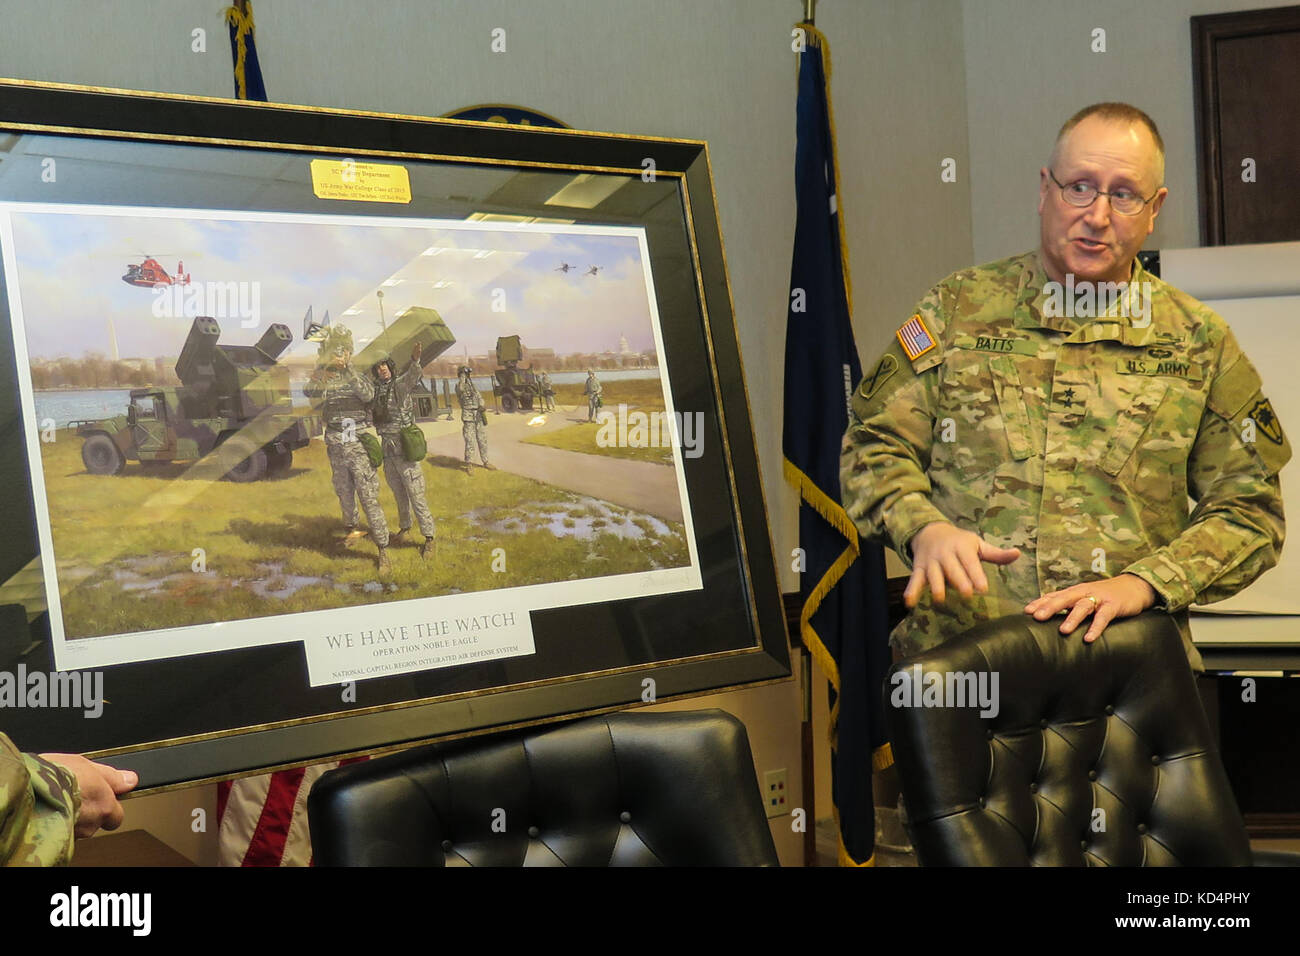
x: 1119, y: 113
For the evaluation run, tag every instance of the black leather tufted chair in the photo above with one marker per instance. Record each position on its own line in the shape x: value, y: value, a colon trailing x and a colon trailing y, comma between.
x: 1115, y: 726
x: 622, y: 789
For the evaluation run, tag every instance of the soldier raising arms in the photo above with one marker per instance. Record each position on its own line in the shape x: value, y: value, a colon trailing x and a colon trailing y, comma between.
x: 1037, y: 459
x: 392, y: 410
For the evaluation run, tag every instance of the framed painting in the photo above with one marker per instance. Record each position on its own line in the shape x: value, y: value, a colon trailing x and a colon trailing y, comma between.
x: 331, y: 433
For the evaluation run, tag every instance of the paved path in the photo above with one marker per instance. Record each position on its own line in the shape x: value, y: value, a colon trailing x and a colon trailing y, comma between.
x: 640, y: 485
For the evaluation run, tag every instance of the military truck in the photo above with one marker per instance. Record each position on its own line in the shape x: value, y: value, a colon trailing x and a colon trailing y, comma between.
x: 233, y: 400
x: 513, y: 387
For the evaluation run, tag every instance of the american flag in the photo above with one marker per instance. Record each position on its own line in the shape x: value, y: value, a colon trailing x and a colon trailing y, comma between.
x: 915, y: 338
x: 263, y: 819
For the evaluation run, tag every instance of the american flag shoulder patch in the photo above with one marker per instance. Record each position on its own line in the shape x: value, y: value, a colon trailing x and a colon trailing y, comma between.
x: 915, y: 337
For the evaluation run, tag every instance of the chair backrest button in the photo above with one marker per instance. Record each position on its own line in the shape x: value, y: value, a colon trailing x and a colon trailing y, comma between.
x: 625, y: 817
x: 533, y: 832
x: 446, y: 846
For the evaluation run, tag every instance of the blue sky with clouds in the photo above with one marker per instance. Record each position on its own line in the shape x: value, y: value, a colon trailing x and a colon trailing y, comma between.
x: 70, y: 268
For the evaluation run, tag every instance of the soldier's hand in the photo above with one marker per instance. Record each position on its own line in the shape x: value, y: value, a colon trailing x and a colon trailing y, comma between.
x: 944, y: 555
x: 100, y: 787
x: 416, y: 351
x: 1122, y: 596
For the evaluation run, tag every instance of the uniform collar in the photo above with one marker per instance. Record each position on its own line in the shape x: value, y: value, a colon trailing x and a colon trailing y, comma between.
x: 1031, y: 302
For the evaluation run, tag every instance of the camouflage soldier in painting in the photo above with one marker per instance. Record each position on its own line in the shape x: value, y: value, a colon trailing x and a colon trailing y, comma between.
x: 48, y: 800
x: 391, y: 411
x: 547, y: 390
x: 473, y: 419
x: 344, y: 397
x: 1038, y: 461
x: 592, y: 390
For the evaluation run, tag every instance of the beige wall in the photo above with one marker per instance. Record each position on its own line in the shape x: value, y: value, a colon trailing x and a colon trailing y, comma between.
x: 720, y: 70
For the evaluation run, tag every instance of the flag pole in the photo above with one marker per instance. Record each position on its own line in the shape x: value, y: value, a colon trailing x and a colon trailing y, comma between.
x: 810, y: 12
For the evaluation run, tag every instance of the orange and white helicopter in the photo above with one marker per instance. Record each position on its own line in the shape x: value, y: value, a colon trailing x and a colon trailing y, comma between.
x: 150, y: 274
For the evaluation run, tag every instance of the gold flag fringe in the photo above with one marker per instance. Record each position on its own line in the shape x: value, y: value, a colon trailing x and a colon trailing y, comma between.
x: 882, y: 757
x: 243, y: 24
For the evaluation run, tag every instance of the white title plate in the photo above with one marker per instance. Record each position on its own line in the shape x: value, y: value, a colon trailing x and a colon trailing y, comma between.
x: 445, y: 633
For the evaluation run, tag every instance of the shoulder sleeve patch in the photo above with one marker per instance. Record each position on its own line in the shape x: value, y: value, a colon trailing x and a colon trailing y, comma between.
x: 1237, y: 397
x: 878, y: 376
x: 916, y: 338
x: 890, y: 373
x: 1260, y: 426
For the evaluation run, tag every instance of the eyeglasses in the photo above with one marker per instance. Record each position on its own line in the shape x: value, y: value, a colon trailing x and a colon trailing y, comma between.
x: 1083, y: 193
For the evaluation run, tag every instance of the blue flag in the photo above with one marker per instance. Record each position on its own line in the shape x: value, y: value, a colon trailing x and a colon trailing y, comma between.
x: 243, y: 52
x: 844, y: 621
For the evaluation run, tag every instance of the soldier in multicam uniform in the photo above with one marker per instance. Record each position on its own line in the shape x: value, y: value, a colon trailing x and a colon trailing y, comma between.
x: 473, y: 424
x: 391, y: 411
x: 344, y: 397
x: 1058, y: 452
x: 46, y: 801
x: 592, y: 390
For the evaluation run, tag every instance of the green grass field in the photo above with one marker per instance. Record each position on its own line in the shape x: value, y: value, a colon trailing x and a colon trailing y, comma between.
x: 639, y: 395
x: 125, y: 545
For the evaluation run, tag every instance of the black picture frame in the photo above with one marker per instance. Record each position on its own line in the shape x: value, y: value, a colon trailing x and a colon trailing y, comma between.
x: 198, y: 718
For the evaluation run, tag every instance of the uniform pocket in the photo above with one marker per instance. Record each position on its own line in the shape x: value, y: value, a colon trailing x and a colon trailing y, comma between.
x: 1011, y: 404
x: 1131, y: 425
x: 983, y: 422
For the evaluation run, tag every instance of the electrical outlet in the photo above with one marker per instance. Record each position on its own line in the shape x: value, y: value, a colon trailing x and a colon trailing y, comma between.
x: 776, y: 793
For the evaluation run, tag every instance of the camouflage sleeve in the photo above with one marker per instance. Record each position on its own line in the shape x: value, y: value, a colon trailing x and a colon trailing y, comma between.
x: 886, y: 449
x: 39, y: 802
x: 1236, y: 531
x: 412, y: 374
x: 362, y: 386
